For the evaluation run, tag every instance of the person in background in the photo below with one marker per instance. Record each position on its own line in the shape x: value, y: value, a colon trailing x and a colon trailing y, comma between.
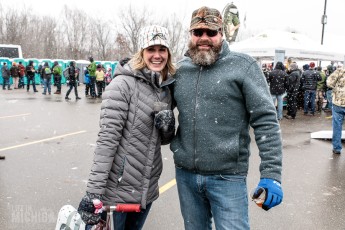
x: 21, y: 75
x: 127, y: 160
x: 328, y: 107
x: 30, y: 73
x: 39, y: 72
x: 107, y: 76
x: 278, y: 80
x: 73, y: 81
x: 294, y: 80
x: 5, y: 77
x: 336, y: 81
x: 92, y: 72
x: 87, y: 82
x: 57, y: 72
x: 309, y: 80
x: 219, y: 95
x: 14, y: 70
x: 46, y: 74
x: 99, y: 80
x: 320, y: 90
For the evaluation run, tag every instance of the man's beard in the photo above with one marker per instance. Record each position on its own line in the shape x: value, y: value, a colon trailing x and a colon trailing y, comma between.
x: 204, y: 57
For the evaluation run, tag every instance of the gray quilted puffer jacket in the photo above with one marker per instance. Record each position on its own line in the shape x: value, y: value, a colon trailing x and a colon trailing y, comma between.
x: 127, y: 162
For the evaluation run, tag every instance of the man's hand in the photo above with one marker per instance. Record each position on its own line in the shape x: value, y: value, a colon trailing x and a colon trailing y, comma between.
x: 274, y: 193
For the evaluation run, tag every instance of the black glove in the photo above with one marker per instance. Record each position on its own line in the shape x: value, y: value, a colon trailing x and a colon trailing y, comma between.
x: 165, y: 120
x: 86, y: 209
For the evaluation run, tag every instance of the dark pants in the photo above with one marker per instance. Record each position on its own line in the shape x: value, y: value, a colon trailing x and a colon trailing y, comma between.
x: 57, y: 82
x: 292, y: 104
x: 21, y: 82
x: 100, y: 85
x: 87, y: 89
x: 71, y: 85
x: 92, y: 86
x: 6, y: 82
x: 31, y: 79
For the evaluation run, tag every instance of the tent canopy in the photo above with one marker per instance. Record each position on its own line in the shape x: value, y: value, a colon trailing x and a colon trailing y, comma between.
x: 297, y: 46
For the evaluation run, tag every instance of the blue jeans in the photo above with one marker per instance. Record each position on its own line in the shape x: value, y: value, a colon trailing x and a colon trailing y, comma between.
x: 47, y: 85
x: 6, y: 81
x: 279, y: 99
x: 329, y: 99
x: 309, y: 97
x: 128, y: 220
x: 223, y: 197
x: 338, y: 113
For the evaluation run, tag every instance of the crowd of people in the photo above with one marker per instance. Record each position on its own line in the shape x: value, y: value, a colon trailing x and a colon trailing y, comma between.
x: 303, y: 89
x: 96, y: 78
x: 219, y: 94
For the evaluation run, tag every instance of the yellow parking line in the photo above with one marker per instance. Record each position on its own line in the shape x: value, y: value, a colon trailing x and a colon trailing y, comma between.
x: 43, y: 140
x: 18, y: 115
x: 167, y: 186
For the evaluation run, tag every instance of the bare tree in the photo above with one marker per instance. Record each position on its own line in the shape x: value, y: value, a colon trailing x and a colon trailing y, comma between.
x: 76, y: 29
x: 102, y: 34
x: 132, y: 22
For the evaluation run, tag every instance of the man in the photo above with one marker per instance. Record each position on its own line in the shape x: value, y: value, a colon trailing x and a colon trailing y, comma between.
x: 219, y: 94
x: 336, y: 81
x: 14, y: 70
x: 92, y: 72
x: 328, y: 107
x: 30, y: 73
x: 57, y: 71
x: 5, y: 77
x: 294, y: 80
x: 320, y: 90
x: 309, y: 80
x: 278, y: 80
x: 21, y: 75
x: 73, y: 80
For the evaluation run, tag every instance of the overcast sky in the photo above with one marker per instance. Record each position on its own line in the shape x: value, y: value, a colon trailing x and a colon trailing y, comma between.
x: 304, y: 16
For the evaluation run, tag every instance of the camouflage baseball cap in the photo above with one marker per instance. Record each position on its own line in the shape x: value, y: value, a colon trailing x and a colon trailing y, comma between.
x: 206, y: 18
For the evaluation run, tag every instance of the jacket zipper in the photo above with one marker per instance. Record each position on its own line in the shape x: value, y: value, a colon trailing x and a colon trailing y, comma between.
x: 195, y: 108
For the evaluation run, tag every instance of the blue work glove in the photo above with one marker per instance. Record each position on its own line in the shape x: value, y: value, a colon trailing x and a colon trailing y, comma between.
x: 274, y: 193
x: 165, y: 120
x: 86, y: 209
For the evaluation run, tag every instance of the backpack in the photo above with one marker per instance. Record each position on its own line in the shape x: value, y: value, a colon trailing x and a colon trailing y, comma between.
x: 47, y: 71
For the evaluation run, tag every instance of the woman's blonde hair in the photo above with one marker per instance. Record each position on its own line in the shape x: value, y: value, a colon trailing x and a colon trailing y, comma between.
x: 138, y: 63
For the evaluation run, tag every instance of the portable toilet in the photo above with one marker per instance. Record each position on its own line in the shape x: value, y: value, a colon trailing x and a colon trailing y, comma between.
x: 82, y: 64
x: 2, y: 61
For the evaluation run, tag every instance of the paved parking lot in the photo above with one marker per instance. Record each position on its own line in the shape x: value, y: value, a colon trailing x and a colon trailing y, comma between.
x: 49, y: 143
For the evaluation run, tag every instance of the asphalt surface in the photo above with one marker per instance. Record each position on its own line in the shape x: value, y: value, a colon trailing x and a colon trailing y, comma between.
x: 49, y: 143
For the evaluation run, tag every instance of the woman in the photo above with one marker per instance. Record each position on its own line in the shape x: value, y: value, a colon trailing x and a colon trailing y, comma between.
x: 127, y: 162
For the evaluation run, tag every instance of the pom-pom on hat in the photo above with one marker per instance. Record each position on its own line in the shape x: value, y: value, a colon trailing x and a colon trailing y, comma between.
x: 153, y: 35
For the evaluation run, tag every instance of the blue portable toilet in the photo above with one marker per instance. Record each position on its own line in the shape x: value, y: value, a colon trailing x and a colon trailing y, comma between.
x: 2, y: 60
x: 114, y: 65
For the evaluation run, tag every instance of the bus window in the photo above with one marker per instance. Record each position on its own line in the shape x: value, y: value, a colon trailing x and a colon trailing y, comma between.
x: 11, y: 51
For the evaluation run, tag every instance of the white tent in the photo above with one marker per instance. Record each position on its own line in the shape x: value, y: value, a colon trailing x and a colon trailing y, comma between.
x: 267, y: 44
